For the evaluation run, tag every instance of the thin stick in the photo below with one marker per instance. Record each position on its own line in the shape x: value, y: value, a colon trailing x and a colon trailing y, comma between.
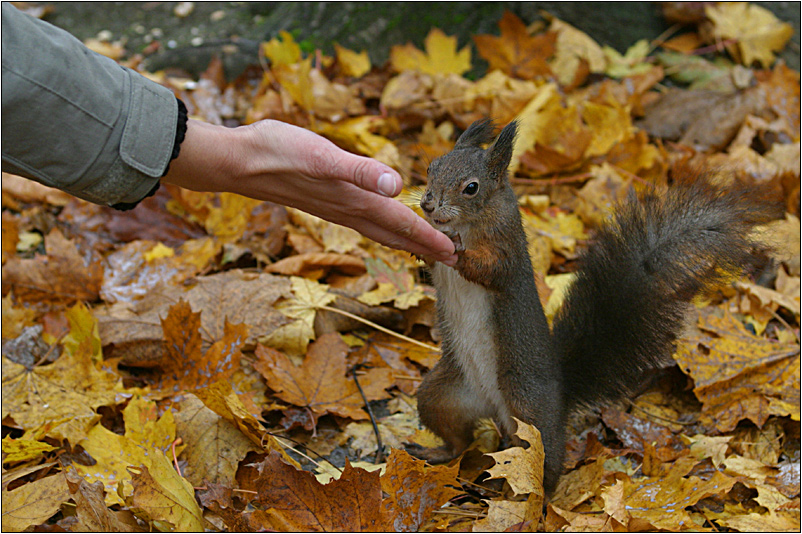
x: 663, y: 37
x: 50, y: 350
x: 313, y: 451
x: 380, y: 328
x: 779, y: 318
x: 631, y: 175
x: 380, y: 446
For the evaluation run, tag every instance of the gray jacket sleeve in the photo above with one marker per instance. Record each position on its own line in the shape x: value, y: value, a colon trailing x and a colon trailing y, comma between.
x: 78, y: 121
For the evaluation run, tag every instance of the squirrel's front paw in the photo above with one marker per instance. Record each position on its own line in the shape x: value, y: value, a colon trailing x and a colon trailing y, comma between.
x: 434, y: 455
x: 455, y: 238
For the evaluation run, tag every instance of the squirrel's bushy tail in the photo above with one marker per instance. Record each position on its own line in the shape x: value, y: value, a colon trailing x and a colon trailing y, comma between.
x: 628, y: 304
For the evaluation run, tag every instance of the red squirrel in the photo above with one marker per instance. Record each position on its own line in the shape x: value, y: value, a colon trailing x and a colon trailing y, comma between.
x: 621, y: 316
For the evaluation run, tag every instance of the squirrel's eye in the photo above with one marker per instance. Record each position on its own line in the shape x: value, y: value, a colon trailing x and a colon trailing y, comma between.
x: 471, y: 189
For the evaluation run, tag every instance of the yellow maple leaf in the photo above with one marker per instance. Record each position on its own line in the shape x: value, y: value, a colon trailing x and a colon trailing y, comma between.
x: 159, y: 251
x: 396, y: 285
x: 146, y: 436
x: 15, y: 319
x: 572, y: 47
x: 165, y: 495
x: 610, y: 125
x: 533, y: 121
x: 758, y: 33
x: 295, y: 79
x: 33, y: 503
x: 214, y: 446
x: 66, y: 391
x: 632, y: 62
x: 351, y: 63
x: 440, y: 57
x: 221, y: 398
x: 308, y: 297
x: 20, y: 450
x: 283, y: 50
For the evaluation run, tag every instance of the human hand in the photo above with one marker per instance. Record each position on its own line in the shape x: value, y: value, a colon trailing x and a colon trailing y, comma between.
x: 285, y: 164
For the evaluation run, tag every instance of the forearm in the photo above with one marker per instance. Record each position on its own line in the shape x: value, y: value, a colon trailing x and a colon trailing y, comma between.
x: 75, y: 120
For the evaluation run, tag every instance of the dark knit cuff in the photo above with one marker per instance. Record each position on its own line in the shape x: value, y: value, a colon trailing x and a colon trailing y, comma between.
x: 180, y: 133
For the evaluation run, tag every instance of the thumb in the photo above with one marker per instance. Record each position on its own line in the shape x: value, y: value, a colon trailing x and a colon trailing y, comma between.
x: 368, y: 174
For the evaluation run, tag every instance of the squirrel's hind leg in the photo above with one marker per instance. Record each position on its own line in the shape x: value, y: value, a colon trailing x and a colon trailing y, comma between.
x: 449, y: 407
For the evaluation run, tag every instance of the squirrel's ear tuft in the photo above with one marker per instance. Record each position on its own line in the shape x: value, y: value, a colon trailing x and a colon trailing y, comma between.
x: 500, y: 154
x: 479, y: 133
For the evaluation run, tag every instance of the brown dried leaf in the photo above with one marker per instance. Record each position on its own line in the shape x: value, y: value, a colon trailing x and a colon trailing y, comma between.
x: 294, y: 500
x: 320, y: 384
x: 757, y: 32
x: 317, y: 265
x: 185, y: 366
x: 414, y: 491
x: 61, y: 275
x: 738, y: 375
x: 91, y: 510
x: 234, y: 296
x: 214, y: 446
x: 29, y: 191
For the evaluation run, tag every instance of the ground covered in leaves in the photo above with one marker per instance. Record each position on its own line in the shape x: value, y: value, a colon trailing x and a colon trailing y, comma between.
x: 207, y: 361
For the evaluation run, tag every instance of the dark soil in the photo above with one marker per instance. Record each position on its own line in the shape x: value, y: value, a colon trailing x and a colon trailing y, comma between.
x: 233, y: 30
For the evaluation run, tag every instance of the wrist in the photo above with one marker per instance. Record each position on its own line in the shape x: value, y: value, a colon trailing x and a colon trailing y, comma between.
x: 208, y: 160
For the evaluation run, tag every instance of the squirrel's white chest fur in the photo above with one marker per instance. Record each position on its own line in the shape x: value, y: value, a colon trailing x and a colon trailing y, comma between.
x: 467, y: 309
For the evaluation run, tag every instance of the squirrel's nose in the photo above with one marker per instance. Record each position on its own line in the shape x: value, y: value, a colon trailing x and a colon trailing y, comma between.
x: 427, y: 203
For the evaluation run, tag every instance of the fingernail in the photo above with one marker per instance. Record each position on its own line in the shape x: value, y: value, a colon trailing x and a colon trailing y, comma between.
x: 386, y: 184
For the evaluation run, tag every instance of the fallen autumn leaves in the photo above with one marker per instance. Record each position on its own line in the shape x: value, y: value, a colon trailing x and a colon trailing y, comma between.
x: 155, y: 376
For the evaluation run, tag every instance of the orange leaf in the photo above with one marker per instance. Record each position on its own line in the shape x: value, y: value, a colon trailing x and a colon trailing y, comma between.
x: 516, y: 52
x: 295, y: 501
x: 414, y: 491
x: 320, y: 383
x: 185, y: 366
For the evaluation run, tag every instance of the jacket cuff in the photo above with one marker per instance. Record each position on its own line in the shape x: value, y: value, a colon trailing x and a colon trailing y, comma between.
x: 180, y: 133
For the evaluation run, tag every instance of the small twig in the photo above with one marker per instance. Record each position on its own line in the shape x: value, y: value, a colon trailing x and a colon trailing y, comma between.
x: 460, y: 513
x: 663, y: 37
x: 468, y: 482
x: 299, y: 444
x: 178, y: 441
x: 379, y: 444
x: 713, y: 47
x: 299, y: 453
x: 380, y: 328
x: 784, y: 323
x: 50, y: 350
x: 314, y: 423
x: 631, y: 175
